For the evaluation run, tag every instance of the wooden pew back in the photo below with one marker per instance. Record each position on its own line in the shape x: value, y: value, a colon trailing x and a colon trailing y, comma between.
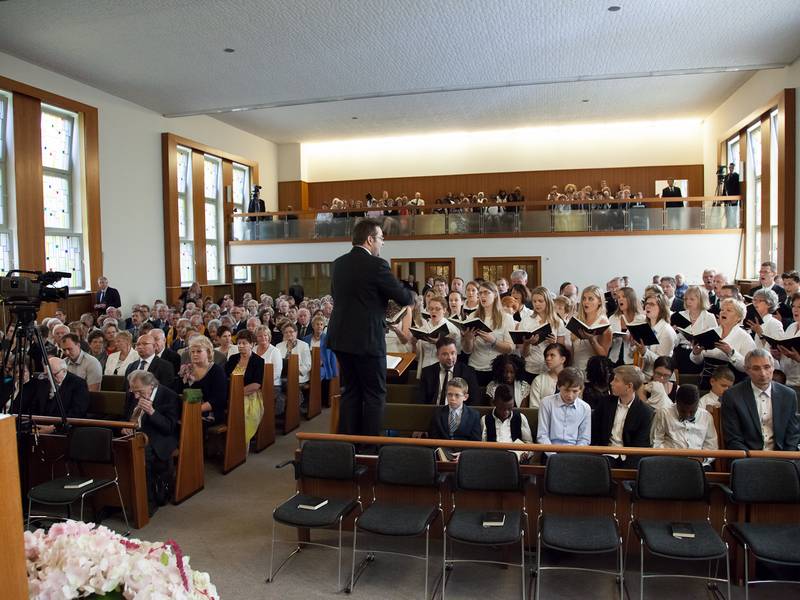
x: 265, y: 435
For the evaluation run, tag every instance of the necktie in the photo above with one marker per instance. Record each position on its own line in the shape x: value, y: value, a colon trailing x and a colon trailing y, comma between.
x: 102, y: 295
x: 452, y: 422
x: 143, y: 365
x: 443, y: 391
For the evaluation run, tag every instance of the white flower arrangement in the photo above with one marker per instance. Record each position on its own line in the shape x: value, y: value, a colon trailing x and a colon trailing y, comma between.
x: 79, y: 560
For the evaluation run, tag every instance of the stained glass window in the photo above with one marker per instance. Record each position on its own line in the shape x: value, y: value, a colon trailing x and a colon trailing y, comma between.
x: 5, y: 252
x: 57, y: 213
x: 211, y: 221
x: 56, y: 140
x: 65, y: 253
x: 212, y: 262
x: 211, y: 177
x: 241, y: 274
x: 241, y: 201
x: 185, y: 228
x: 64, y: 250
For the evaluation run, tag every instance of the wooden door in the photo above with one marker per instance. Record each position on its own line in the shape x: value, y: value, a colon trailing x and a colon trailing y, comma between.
x: 493, y: 268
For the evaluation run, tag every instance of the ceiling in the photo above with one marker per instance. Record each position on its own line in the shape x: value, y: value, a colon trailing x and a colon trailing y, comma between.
x: 406, y: 66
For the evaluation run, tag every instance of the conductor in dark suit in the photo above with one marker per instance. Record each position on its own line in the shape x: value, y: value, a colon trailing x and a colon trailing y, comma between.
x: 455, y: 420
x: 154, y: 408
x: 672, y: 191
x: 105, y: 296
x: 362, y: 285
x: 622, y: 419
x: 432, y: 388
x: 760, y: 414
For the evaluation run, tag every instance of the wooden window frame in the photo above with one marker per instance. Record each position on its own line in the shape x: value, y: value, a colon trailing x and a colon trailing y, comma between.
x: 169, y: 163
x: 537, y: 260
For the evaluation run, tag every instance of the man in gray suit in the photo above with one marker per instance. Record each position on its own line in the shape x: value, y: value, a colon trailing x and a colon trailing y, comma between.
x: 758, y: 413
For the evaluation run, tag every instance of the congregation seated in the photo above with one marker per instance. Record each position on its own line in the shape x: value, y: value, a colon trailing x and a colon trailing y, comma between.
x: 685, y: 424
x: 622, y: 419
x: 759, y: 413
x: 248, y: 363
x: 201, y: 373
x: 661, y: 390
x: 564, y: 418
x: 432, y: 387
x: 291, y: 345
x: 161, y: 369
x: 225, y: 344
x: 556, y: 358
x: 80, y: 363
x: 97, y: 347
x: 455, y: 420
x: 508, y: 369
x: 156, y: 410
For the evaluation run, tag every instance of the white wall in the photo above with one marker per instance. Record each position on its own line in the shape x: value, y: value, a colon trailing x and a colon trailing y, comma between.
x: 531, y: 149
x: 130, y: 175
x: 755, y: 93
x: 582, y: 260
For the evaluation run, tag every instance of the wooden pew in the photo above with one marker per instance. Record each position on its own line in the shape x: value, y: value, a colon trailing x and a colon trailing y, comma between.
x: 106, y: 404
x: 113, y: 383
x: 190, y: 471
x: 235, y: 448
x: 291, y: 416
x: 128, y: 457
x: 402, y: 393
x: 315, y: 381
x: 265, y: 434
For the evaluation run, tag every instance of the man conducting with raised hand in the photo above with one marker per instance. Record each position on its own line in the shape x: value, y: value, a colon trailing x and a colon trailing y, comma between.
x: 362, y: 285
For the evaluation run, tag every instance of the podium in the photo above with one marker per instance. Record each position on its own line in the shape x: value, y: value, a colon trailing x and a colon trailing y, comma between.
x: 406, y: 358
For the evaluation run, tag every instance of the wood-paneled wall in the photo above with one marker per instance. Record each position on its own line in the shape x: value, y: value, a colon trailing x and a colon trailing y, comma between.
x: 535, y: 184
x: 294, y: 194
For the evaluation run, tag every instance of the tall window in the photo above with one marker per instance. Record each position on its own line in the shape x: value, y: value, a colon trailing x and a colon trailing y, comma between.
x: 213, y: 189
x: 773, y: 186
x: 63, y: 219
x: 753, y: 180
x: 733, y: 154
x: 241, y: 199
x: 6, y: 246
x: 185, y: 231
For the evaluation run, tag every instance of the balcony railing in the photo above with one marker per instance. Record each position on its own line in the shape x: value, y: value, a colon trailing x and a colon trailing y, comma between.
x: 509, y: 219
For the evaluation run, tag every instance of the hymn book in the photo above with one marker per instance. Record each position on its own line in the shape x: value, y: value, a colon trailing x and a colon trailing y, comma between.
x: 793, y: 343
x: 678, y: 320
x: 576, y: 326
x: 752, y: 315
x: 471, y: 323
x: 519, y: 336
x: 682, y: 531
x: 312, y: 503
x: 705, y: 339
x: 76, y: 485
x: 494, y: 519
x: 643, y: 333
x: 397, y: 317
x: 430, y: 336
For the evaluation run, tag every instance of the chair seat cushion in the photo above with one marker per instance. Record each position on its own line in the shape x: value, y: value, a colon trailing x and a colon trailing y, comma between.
x: 467, y: 526
x: 289, y: 512
x: 780, y: 543
x: 53, y: 492
x: 658, y: 538
x: 579, y: 534
x: 396, y: 519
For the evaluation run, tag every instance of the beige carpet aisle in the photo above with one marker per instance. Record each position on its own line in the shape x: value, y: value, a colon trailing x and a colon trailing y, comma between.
x: 225, y: 530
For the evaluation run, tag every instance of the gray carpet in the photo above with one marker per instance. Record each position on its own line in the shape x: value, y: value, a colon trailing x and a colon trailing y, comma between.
x: 225, y: 529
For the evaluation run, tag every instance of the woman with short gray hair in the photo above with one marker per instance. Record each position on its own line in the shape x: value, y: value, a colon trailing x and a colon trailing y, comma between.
x: 732, y: 348
x: 765, y: 302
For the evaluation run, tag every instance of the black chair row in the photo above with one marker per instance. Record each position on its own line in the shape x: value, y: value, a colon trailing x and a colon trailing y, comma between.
x: 659, y: 479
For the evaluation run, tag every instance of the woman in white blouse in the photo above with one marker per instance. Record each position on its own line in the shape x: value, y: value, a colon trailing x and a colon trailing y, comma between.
x: 734, y: 345
x: 533, y: 347
x: 556, y: 357
x: 482, y: 346
x: 656, y: 309
x: 628, y: 312
x: 696, y: 304
x: 426, y: 351
x: 269, y: 353
x: 118, y: 361
x: 765, y: 303
x: 592, y: 311
x: 398, y: 337
x: 471, y: 302
x: 790, y: 359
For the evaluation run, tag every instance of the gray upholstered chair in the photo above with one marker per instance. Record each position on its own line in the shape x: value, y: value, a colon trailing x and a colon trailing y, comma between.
x: 674, y: 479
x: 581, y: 475
x: 319, y: 460
x: 485, y: 471
x: 84, y: 445
x: 765, y: 481
x: 407, y: 466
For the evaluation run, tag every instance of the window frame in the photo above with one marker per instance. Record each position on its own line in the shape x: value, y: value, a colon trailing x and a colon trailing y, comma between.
x: 215, y: 202
x: 186, y: 241
x: 6, y: 199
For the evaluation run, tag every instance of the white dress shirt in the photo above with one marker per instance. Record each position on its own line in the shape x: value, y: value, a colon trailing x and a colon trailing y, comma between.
x: 771, y: 327
x: 273, y: 355
x: 619, y: 423
x: 503, y: 429
x: 669, y: 431
x: 764, y: 409
x: 789, y: 366
x: 544, y: 385
x: 304, y: 353
x: 482, y: 352
x: 710, y: 399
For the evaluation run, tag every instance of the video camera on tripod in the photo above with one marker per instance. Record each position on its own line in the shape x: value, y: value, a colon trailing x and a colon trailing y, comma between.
x: 32, y: 291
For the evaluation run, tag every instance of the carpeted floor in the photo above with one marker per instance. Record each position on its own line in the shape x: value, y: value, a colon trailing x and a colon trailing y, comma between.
x: 225, y: 529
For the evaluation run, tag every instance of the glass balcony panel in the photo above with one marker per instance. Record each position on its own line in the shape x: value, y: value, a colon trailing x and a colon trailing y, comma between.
x: 429, y: 224
x: 608, y: 219
x: 535, y: 220
x: 680, y: 218
x: 571, y: 220
x: 645, y: 219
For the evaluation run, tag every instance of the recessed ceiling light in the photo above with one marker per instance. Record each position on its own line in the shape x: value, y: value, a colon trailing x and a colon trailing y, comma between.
x: 230, y: 50
x: 585, y: 100
x: 354, y: 118
x: 614, y: 8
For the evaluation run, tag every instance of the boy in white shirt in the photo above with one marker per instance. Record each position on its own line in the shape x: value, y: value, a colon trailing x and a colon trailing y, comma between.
x: 685, y: 425
x: 565, y: 419
x: 721, y: 379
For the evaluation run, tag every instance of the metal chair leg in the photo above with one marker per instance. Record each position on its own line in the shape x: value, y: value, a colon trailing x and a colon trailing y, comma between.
x: 537, y: 594
x: 81, y: 518
x: 641, y: 570
x: 124, y: 514
x: 339, y: 577
x: 746, y: 573
x: 621, y: 573
x: 522, y: 563
x: 353, y: 564
x: 427, y: 557
x: 728, y: 568
x: 271, y: 553
x: 444, y: 562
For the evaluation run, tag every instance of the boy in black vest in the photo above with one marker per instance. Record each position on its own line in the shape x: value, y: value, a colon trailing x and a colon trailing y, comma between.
x: 505, y: 424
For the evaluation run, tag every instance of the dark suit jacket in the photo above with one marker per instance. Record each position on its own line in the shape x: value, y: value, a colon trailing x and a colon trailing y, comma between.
x: 172, y: 358
x: 253, y: 372
x: 730, y: 186
x: 111, y: 298
x: 162, y: 369
x: 161, y: 426
x: 741, y: 424
x: 73, y: 391
x: 303, y: 331
x: 675, y: 192
x: 428, y: 389
x: 361, y: 286
x: 635, y: 431
x: 468, y: 429
x: 677, y: 304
